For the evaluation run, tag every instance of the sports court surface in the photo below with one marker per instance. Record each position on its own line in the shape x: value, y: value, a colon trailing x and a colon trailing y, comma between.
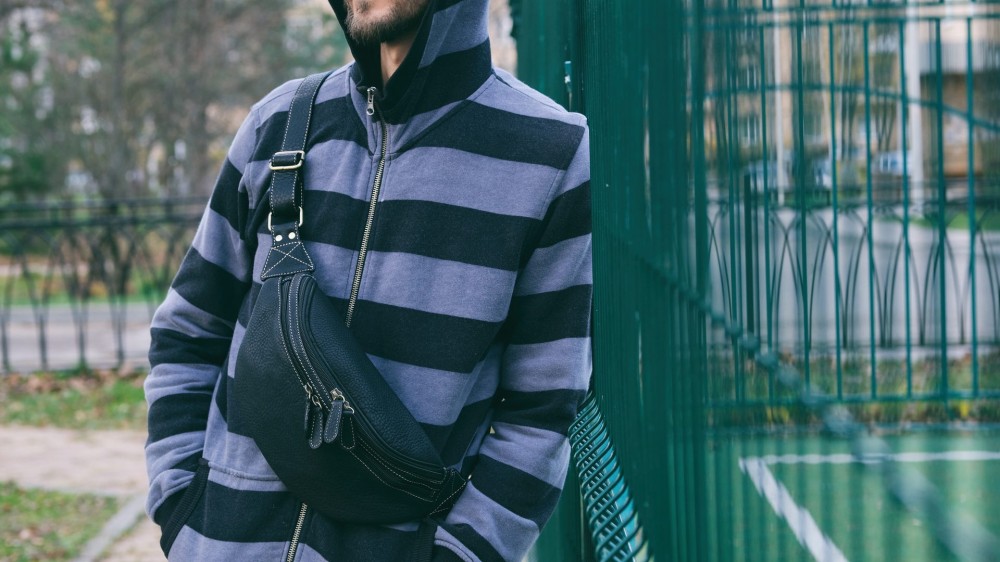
x: 807, y: 497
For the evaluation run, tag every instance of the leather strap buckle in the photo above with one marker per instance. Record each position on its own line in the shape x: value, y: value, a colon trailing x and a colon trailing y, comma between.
x: 299, y: 224
x: 287, y: 160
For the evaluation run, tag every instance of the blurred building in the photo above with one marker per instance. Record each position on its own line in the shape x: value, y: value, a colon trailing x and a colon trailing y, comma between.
x: 884, y: 100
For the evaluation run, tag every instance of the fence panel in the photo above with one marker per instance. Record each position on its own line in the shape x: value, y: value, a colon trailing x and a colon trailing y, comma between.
x: 639, y: 116
x: 851, y: 178
x: 797, y: 323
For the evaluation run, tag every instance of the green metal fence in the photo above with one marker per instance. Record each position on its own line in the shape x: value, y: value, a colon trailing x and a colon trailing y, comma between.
x: 797, y: 269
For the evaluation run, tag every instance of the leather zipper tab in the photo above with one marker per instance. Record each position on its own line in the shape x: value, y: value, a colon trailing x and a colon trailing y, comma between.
x: 316, y: 436
x: 332, y: 428
x: 308, y: 418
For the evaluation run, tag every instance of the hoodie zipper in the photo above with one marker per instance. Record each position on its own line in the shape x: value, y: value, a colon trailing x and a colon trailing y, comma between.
x: 294, y: 546
x: 358, y: 271
x: 376, y: 188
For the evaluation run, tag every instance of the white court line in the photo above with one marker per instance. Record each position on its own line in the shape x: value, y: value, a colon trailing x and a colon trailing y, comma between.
x: 801, y: 522
x: 898, y: 457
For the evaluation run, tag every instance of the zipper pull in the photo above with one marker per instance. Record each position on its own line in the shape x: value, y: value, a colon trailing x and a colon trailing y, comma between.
x: 371, y: 100
x: 338, y: 395
x: 314, y: 419
x: 332, y: 428
x: 316, y: 433
x: 308, y: 418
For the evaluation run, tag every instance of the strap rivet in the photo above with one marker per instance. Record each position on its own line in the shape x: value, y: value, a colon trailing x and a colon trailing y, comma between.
x: 291, y: 236
x: 277, y: 238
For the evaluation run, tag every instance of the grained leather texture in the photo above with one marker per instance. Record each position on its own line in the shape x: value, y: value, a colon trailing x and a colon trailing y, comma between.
x: 343, y: 360
x: 353, y: 478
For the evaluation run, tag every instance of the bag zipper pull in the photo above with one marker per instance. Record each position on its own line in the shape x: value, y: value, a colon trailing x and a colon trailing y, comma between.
x: 339, y: 407
x: 314, y: 419
x: 308, y: 417
x: 332, y: 429
x: 338, y: 395
x: 316, y: 437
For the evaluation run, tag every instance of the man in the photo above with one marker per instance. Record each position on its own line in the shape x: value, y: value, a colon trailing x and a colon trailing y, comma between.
x: 466, y: 197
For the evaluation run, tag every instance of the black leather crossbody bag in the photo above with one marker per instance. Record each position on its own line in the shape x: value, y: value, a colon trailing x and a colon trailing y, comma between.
x: 325, y: 419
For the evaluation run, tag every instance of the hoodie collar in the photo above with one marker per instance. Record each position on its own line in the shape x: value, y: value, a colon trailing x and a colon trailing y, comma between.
x: 449, y: 60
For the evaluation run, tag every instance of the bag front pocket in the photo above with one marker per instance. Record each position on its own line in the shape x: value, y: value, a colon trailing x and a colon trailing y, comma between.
x: 328, y: 424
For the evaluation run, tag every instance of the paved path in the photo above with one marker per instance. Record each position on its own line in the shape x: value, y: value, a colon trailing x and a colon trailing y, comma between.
x: 22, y: 330
x: 99, y: 462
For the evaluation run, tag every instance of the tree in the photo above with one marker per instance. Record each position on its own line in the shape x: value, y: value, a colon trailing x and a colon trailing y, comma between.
x: 147, y: 95
x: 29, y: 164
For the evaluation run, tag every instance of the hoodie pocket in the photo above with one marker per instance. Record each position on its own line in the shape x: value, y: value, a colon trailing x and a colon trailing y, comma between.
x: 189, y: 500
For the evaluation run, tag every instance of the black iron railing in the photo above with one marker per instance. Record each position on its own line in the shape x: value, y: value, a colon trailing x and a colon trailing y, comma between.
x: 79, y: 280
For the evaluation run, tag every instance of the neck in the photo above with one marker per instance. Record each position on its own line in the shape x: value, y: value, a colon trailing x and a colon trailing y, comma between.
x: 392, y: 54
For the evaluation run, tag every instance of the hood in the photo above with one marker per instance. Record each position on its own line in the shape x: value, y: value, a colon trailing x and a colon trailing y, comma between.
x: 449, y: 60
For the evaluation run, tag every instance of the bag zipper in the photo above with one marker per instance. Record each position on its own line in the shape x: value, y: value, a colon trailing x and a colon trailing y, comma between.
x: 376, y: 188
x: 324, y: 407
x: 293, y: 545
x: 356, y: 285
x: 320, y: 417
x: 314, y: 397
x: 308, y: 362
x: 374, y: 439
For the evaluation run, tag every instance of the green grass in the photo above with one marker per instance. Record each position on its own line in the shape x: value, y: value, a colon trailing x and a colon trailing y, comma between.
x: 988, y: 220
x: 44, y: 525
x: 94, y: 400
x: 24, y: 290
x: 46, y: 280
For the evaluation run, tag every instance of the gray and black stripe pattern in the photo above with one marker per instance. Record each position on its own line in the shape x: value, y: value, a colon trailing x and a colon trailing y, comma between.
x: 474, y: 304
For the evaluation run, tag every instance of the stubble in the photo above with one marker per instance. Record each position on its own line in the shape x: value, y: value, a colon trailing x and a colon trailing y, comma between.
x: 403, y: 17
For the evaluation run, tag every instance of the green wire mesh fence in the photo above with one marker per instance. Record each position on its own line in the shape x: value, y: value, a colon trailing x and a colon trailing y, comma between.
x: 614, y: 524
x: 797, y: 270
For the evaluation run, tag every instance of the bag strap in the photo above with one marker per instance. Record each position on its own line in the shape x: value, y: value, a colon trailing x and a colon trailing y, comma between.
x: 423, y: 545
x: 288, y: 254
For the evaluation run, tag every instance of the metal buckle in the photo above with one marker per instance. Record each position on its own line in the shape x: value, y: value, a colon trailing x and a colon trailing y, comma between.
x: 269, y: 229
x: 298, y: 156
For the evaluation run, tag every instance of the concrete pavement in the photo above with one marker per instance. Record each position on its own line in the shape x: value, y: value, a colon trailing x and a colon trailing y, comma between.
x: 96, y: 462
x: 69, y: 335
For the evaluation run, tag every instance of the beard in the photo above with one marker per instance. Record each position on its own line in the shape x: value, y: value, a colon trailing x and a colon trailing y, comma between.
x: 404, y: 17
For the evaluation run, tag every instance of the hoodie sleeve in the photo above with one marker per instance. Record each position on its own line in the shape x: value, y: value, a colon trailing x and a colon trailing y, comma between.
x: 191, y: 334
x: 545, y: 373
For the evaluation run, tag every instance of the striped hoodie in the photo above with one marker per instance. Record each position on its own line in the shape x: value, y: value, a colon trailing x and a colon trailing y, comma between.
x: 474, y: 301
